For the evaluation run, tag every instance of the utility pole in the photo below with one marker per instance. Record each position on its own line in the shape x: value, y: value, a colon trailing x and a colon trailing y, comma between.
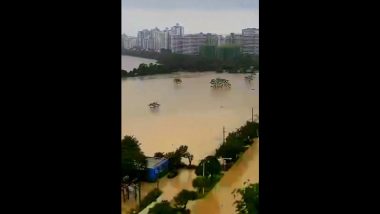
x: 224, y: 131
x: 252, y: 114
x: 203, y: 175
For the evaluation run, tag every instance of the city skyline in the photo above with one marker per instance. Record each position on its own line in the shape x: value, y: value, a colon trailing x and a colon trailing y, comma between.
x: 168, y: 28
x: 208, y: 16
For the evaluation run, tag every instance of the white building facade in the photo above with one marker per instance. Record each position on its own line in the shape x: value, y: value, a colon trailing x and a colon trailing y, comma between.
x: 250, y: 41
x: 128, y: 42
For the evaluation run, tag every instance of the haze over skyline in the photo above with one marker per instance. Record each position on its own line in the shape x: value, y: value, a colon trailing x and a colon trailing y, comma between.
x: 207, y: 16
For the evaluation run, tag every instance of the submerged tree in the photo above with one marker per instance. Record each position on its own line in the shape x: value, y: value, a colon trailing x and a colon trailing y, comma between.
x: 177, y: 80
x: 154, y: 105
x: 249, y: 199
x: 220, y: 83
x: 211, y: 167
x: 162, y: 208
x: 200, y: 182
x: 184, y: 197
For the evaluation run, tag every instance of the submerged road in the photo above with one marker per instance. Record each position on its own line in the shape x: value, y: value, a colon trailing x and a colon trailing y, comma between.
x: 220, y: 200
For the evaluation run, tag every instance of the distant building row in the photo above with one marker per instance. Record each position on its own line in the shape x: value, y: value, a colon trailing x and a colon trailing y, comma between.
x: 178, y: 42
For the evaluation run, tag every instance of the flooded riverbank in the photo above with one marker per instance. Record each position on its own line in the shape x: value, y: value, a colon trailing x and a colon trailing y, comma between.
x: 220, y: 199
x: 191, y: 113
x: 169, y: 187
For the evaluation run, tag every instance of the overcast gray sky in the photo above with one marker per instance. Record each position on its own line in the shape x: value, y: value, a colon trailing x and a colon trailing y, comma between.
x: 208, y: 16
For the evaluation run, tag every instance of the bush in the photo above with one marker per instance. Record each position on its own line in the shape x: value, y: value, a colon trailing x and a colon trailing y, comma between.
x: 212, y: 167
x: 249, y: 199
x: 162, y: 208
x: 237, y: 141
x: 208, y: 183
x: 148, y: 199
x: 200, y: 182
x: 172, y: 174
x: 184, y: 197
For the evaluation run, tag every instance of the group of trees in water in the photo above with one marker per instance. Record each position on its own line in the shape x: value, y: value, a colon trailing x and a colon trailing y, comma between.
x: 146, y: 69
x: 171, y: 62
x: 248, y: 202
x: 208, y: 171
x: 236, y: 142
x: 208, y: 174
x: 220, y: 83
x: 180, y: 203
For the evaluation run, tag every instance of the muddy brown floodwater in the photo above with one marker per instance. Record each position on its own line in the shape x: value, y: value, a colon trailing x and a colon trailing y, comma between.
x: 191, y: 113
x: 220, y: 199
x: 169, y: 187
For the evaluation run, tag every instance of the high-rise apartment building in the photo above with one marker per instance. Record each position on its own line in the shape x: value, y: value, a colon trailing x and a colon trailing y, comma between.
x: 154, y: 39
x: 143, y: 39
x: 191, y: 43
x: 250, y: 41
x: 234, y: 39
x: 177, y: 30
x: 128, y: 42
x: 178, y: 42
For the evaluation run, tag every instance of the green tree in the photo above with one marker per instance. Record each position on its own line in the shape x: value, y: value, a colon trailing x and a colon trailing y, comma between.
x: 210, y: 58
x: 162, y: 208
x: 248, y: 202
x: 124, y: 73
x: 159, y: 155
x: 212, y: 167
x: 237, y: 141
x: 176, y: 157
x: 184, y: 197
x: 133, y: 159
x: 189, y: 157
x: 231, y: 148
x: 174, y: 160
x: 181, y: 151
x: 249, y: 130
x: 200, y: 182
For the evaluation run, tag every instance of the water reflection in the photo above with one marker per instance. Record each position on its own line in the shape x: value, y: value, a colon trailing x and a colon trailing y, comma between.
x: 154, y: 110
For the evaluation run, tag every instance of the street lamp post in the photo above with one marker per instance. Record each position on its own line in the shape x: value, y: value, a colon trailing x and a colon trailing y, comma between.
x: 204, y: 175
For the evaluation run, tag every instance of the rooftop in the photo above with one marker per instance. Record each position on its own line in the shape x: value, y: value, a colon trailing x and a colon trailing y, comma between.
x: 152, y: 162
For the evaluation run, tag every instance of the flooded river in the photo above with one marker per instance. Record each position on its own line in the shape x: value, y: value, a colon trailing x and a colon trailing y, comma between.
x: 191, y: 113
x: 220, y: 200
